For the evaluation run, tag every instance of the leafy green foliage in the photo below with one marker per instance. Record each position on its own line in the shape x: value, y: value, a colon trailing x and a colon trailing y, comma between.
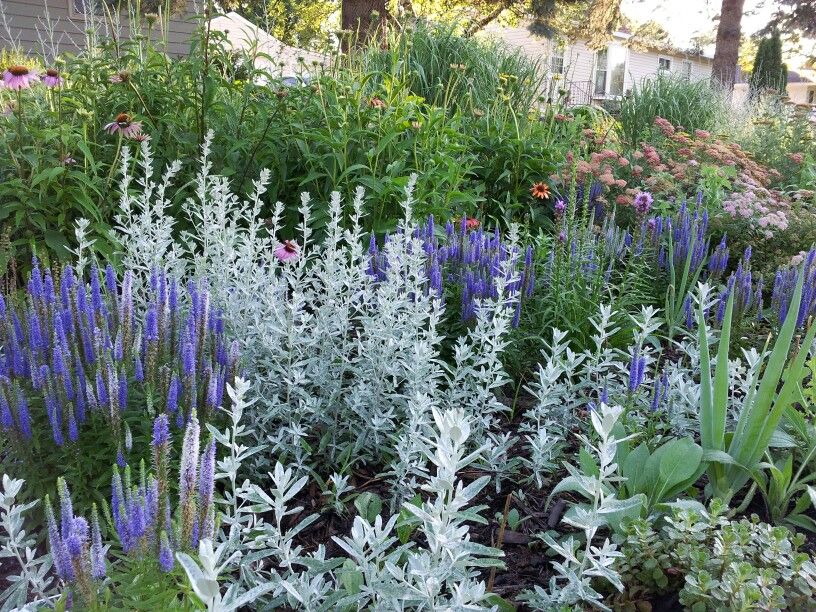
x: 691, y: 104
x: 737, y: 454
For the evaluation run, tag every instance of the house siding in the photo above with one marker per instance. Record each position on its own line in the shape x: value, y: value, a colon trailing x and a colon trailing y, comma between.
x: 54, y: 26
x: 579, y: 61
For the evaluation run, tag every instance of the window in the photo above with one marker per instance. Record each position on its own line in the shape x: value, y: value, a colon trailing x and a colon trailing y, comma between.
x: 557, y: 59
x: 610, y: 71
x: 600, y: 72
x: 687, y: 69
x: 663, y: 65
x: 811, y: 99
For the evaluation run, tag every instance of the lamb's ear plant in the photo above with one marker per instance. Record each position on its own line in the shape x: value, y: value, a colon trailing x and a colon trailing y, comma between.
x: 663, y: 475
x: 735, y: 456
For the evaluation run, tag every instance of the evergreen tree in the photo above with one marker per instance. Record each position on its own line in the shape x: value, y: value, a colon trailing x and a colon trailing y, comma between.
x: 769, y: 71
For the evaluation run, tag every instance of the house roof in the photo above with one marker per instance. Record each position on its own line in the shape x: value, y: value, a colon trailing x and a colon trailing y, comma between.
x: 286, y: 61
x: 801, y: 76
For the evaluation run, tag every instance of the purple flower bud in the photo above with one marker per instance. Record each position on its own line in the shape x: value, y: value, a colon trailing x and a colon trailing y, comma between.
x: 120, y: 458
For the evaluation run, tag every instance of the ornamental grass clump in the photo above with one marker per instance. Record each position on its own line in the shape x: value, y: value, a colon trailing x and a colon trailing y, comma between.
x: 77, y: 353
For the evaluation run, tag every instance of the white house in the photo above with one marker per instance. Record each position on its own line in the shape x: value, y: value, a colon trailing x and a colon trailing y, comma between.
x: 801, y: 88
x: 269, y: 54
x: 592, y: 77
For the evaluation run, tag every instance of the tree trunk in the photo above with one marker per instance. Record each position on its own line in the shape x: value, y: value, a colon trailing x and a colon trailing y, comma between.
x: 726, y: 53
x: 356, y: 17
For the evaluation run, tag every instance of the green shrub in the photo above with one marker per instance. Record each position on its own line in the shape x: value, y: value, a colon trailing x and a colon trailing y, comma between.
x: 457, y: 72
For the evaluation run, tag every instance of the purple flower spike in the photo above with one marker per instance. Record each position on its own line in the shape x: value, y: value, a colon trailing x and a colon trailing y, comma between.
x: 161, y: 430
x: 98, y: 563
x: 166, y: 560
x: 59, y: 553
x: 205, y: 490
x: 152, y: 324
x: 6, y: 418
x: 173, y: 394
x: 23, y: 416
x: 110, y: 280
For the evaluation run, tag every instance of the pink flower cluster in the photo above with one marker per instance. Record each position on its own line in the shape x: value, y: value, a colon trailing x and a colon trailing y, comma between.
x: 22, y: 77
x: 765, y: 210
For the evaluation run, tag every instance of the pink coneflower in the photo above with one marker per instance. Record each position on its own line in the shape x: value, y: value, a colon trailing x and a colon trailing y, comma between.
x: 125, y: 125
x: 141, y: 137
x: 288, y: 251
x: 52, y: 78
x: 19, y: 77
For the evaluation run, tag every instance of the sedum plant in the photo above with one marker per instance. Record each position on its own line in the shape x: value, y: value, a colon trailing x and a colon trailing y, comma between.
x: 718, y: 564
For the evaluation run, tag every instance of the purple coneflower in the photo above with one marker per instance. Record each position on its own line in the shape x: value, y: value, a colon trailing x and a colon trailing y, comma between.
x: 288, y: 251
x: 52, y: 78
x: 19, y: 77
x: 124, y: 125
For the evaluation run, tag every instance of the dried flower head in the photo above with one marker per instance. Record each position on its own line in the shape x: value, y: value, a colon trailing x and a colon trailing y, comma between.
x: 377, y: 103
x: 120, y: 77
